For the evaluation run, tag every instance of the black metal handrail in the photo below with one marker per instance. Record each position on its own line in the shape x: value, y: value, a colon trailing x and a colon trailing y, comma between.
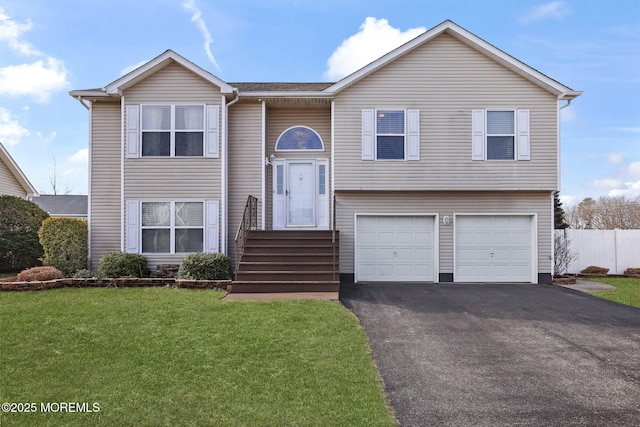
x: 249, y: 222
x: 333, y: 236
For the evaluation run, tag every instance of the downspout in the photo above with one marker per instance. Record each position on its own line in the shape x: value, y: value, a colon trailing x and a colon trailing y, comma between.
x: 553, y: 231
x: 224, y: 170
x: 81, y: 101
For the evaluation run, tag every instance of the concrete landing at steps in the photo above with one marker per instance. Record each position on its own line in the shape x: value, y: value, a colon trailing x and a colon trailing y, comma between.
x: 267, y: 296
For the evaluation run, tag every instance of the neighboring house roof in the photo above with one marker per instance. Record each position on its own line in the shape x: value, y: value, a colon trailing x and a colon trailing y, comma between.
x: 63, y: 205
x: 563, y: 92
x: 17, y: 173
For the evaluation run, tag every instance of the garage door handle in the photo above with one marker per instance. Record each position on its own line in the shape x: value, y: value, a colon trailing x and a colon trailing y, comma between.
x: 395, y: 254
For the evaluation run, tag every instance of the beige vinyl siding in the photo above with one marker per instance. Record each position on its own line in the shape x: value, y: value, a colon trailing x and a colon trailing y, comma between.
x: 171, y: 178
x: 245, y: 164
x: 9, y: 185
x: 105, y: 164
x: 279, y: 120
x: 445, y: 79
x: 443, y: 204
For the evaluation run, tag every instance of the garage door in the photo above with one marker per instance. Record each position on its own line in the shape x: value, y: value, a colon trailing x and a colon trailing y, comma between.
x: 395, y: 249
x: 496, y: 248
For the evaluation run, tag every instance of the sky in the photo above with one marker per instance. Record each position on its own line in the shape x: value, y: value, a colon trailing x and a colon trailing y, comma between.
x: 49, y: 47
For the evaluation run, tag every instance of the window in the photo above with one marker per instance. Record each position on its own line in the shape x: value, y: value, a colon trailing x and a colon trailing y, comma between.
x: 172, y: 130
x: 500, y: 135
x: 322, y: 179
x: 172, y: 227
x: 299, y: 138
x: 390, y: 134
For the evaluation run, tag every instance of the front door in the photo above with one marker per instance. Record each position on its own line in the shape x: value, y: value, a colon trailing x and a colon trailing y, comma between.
x: 300, y: 193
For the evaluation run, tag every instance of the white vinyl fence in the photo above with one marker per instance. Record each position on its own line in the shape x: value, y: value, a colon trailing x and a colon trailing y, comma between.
x: 616, y: 250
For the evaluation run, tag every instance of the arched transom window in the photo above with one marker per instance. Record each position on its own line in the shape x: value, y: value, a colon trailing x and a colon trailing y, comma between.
x: 299, y: 138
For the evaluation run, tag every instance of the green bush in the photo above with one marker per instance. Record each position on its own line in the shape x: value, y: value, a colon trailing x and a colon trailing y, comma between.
x: 206, y: 266
x: 119, y: 264
x: 64, y: 241
x: 20, y: 221
x: 39, y: 274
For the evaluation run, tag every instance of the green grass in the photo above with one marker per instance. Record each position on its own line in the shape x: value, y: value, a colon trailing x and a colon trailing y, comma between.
x: 627, y: 291
x: 167, y: 356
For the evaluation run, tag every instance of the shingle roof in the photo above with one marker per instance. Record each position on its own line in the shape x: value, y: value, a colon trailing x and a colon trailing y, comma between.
x: 280, y: 87
x: 63, y: 205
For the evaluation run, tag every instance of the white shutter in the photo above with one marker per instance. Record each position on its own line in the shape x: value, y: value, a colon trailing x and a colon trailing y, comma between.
x: 477, y: 135
x: 133, y: 227
x: 524, y: 140
x: 413, y: 143
x: 213, y: 131
x: 133, y: 131
x: 212, y: 227
x: 368, y: 135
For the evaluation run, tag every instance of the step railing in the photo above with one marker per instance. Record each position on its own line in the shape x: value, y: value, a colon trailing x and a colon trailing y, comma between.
x: 249, y: 222
x: 334, y: 248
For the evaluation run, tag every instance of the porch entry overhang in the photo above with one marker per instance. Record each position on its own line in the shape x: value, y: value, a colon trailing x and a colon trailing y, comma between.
x: 300, y: 194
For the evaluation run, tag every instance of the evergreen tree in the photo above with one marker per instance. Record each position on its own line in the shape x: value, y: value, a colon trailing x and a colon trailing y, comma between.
x: 558, y: 213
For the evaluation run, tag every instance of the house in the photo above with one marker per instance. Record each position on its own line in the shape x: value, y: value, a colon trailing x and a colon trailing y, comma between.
x: 63, y: 205
x: 435, y: 163
x: 13, y: 181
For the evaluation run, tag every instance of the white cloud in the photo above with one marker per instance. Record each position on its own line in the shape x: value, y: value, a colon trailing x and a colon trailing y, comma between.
x: 569, y: 201
x: 606, y: 183
x: 374, y: 39
x: 196, y: 17
x: 81, y: 156
x: 46, y: 139
x: 630, y: 190
x: 634, y: 169
x: 10, y: 130
x: 629, y: 129
x: 37, y: 79
x: 553, y: 10
x: 615, y: 158
x: 130, y: 68
x: 11, y: 33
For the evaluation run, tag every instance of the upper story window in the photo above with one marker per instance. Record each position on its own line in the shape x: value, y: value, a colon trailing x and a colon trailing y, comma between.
x: 299, y: 138
x: 172, y: 130
x: 500, y: 135
x: 187, y: 130
x: 390, y: 134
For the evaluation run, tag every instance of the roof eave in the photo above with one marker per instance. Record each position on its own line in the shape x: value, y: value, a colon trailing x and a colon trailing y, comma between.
x: 17, y: 173
x: 285, y: 94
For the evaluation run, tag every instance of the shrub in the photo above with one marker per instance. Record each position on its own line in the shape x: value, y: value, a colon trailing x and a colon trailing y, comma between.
x: 20, y: 221
x: 592, y: 269
x: 64, y: 241
x: 119, y: 264
x: 39, y: 274
x: 206, y: 266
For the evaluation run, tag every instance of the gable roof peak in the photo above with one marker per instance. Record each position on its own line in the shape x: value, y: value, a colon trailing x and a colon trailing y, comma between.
x: 159, y: 62
x: 471, y: 40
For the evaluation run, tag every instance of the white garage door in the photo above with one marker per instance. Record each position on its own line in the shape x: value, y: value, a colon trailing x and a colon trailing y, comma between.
x: 496, y: 248
x: 395, y: 249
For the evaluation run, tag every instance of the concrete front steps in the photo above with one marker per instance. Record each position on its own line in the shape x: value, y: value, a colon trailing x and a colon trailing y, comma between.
x: 288, y: 261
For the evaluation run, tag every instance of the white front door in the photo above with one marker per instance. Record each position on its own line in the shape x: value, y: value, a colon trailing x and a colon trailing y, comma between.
x: 301, y: 197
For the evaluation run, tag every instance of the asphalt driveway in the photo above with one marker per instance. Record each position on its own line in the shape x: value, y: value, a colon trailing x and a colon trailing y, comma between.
x: 492, y: 355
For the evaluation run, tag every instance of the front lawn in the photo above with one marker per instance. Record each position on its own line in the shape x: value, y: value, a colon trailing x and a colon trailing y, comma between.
x: 627, y: 291
x: 164, y: 356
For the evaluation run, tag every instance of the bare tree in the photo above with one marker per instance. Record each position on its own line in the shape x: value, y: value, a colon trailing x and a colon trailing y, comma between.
x: 607, y: 213
x: 562, y: 253
x: 53, y: 180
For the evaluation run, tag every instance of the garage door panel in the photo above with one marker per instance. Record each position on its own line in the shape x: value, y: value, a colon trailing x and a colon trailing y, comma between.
x: 493, y: 248
x: 395, y: 248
